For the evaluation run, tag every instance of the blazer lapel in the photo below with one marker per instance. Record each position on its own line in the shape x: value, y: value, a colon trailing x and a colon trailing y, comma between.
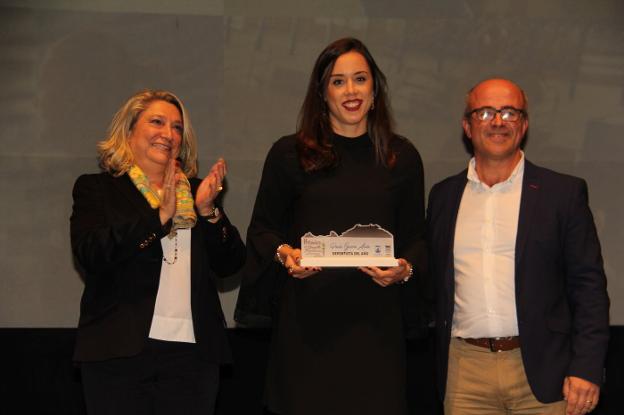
x: 531, y: 185
x: 457, y: 191
x: 198, y: 250
x: 128, y: 190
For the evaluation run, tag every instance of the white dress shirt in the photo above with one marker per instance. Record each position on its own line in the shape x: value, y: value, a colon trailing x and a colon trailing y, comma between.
x: 173, y: 319
x: 484, y: 253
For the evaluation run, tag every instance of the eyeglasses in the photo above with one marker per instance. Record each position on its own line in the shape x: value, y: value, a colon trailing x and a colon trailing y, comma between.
x: 507, y: 114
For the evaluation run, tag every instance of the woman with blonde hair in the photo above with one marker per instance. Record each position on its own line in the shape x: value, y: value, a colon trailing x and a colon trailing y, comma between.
x: 149, y: 239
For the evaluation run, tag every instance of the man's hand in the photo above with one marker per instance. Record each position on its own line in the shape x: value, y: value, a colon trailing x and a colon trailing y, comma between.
x: 582, y: 395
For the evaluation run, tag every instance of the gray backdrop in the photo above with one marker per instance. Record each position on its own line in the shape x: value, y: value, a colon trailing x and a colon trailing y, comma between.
x: 241, y: 67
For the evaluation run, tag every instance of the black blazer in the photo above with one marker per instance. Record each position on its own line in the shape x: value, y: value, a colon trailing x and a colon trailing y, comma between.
x: 115, y: 237
x: 561, y: 299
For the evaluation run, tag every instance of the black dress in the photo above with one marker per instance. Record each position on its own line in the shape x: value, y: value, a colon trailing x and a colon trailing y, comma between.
x: 338, y: 344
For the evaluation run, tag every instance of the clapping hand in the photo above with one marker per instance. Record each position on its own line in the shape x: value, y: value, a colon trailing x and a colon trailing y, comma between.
x: 210, y: 187
x: 168, y: 197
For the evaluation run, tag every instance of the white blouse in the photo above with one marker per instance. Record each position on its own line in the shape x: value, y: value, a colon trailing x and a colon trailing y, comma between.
x: 173, y: 319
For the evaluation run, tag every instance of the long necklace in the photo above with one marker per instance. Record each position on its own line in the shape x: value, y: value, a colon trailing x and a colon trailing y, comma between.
x: 175, y: 251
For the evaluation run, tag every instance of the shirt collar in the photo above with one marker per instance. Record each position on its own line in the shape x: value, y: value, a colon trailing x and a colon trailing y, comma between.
x: 473, y: 177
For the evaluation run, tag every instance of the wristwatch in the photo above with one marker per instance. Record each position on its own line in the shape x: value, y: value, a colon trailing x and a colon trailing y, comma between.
x: 214, y: 213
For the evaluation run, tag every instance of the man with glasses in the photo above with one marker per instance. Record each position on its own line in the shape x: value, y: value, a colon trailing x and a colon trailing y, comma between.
x: 521, y: 303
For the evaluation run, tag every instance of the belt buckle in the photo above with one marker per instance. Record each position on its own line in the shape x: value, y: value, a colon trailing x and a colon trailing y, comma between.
x: 501, y: 343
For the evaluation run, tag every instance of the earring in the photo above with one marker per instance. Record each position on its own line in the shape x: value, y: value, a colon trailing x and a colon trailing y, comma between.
x: 372, y: 107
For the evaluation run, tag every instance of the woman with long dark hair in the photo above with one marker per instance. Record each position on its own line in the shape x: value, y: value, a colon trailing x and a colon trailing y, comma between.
x: 338, y: 344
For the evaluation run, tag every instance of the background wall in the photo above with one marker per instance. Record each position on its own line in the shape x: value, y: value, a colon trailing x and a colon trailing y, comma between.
x: 241, y: 67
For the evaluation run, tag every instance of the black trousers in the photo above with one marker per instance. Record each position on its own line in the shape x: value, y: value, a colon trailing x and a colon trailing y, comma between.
x: 165, y: 378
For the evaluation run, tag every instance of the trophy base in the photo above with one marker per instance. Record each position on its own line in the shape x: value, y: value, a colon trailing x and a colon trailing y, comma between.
x: 349, y: 262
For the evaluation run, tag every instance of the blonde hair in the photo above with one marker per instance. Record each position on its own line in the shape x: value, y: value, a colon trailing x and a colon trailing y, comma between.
x: 114, y: 153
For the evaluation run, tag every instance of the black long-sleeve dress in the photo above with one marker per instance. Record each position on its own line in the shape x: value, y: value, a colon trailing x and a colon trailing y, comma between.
x: 338, y: 344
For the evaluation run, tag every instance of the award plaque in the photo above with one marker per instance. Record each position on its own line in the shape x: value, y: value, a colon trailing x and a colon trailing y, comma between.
x: 362, y: 245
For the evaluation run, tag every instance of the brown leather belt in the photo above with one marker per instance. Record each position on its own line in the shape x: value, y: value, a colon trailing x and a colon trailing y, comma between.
x: 496, y: 344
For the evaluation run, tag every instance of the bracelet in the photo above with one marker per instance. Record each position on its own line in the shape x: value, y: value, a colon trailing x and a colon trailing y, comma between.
x: 278, y: 257
x: 409, y: 275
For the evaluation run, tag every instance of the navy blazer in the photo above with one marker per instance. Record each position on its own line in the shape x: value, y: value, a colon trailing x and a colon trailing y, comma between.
x: 115, y: 237
x: 562, y: 304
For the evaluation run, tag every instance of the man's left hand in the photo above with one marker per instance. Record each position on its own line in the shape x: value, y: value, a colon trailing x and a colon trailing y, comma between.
x: 582, y: 395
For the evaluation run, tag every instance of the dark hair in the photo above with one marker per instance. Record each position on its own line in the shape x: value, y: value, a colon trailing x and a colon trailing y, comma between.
x: 314, y: 129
